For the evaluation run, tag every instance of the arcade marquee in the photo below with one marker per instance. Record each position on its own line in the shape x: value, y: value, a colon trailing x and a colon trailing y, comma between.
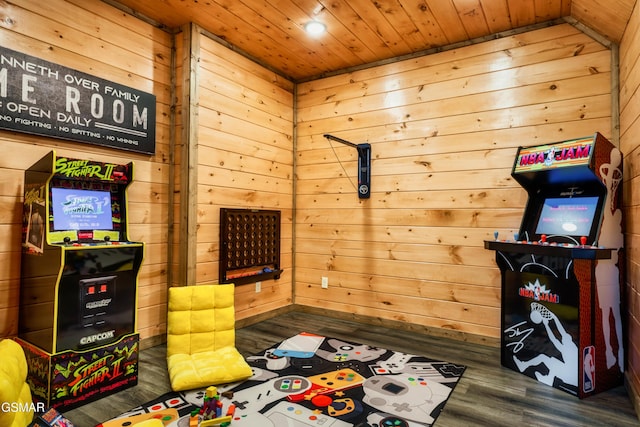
x: 562, y: 273
x: 78, y: 297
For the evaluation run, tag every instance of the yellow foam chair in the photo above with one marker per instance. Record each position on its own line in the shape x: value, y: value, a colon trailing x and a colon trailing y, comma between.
x: 14, y: 389
x: 201, y: 337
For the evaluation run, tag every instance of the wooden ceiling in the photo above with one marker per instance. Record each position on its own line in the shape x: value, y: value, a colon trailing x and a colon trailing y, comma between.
x: 368, y: 31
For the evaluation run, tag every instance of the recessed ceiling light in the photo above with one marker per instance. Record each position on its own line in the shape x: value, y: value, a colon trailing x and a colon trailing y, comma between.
x: 315, y: 28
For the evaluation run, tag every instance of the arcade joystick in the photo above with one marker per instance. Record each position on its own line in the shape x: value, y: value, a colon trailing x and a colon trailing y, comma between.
x: 543, y: 238
x: 583, y: 240
x: 67, y: 240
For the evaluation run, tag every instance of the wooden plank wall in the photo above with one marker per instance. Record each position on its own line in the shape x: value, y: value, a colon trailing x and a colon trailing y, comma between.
x: 630, y: 146
x: 243, y: 142
x: 444, y: 131
x: 95, y: 38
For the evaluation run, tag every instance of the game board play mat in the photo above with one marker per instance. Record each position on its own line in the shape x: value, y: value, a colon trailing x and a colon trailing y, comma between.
x: 310, y: 380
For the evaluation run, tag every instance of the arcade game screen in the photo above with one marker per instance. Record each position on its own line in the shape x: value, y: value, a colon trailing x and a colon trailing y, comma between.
x: 78, y: 209
x: 567, y: 216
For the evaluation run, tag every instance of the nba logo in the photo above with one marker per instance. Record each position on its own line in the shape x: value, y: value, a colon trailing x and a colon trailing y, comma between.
x: 589, y: 369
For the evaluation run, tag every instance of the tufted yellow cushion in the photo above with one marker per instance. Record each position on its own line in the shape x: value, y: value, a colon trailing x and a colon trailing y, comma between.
x: 13, y: 386
x: 201, y: 337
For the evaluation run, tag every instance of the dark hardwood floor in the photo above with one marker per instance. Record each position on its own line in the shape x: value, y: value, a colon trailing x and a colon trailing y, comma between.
x: 487, y: 394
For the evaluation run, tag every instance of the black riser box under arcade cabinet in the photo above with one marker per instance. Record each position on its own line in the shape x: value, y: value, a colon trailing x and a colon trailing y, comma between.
x: 78, y: 296
x: 562, y: 273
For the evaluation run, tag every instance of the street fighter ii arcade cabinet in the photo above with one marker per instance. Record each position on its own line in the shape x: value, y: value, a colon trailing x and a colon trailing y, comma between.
x: 78, y: 296
x: 562, y: 273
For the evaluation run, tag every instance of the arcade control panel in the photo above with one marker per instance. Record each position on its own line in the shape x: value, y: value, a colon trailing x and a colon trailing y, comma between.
x: 544, y: 247
x: 67, y: 241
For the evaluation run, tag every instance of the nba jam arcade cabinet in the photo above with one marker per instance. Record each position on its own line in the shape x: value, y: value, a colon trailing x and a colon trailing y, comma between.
x: 562, y: 273
x: 78, y: 296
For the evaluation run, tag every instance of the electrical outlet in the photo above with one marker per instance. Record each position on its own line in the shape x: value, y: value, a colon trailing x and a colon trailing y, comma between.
x: 258, y: 287
x: 325, y: 282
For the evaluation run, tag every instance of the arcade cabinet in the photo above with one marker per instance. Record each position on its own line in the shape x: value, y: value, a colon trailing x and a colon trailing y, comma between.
x: 78, y: 296
x: 562, y: 273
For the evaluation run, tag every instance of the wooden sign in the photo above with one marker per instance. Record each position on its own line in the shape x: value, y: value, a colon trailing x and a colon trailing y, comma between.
x: 42, y: 98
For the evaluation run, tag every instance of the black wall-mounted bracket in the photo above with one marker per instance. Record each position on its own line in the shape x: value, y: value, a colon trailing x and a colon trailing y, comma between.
x: 364, y: 165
